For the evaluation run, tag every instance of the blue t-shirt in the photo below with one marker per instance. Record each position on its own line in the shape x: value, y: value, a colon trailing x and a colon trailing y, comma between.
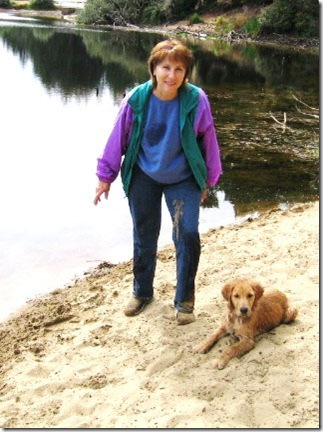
x: 161, y: 155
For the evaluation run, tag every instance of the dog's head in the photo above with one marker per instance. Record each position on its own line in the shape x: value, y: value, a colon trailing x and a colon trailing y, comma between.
x: 242, y: 296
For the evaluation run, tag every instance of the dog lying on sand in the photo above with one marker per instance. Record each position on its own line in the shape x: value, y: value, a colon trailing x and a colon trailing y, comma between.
x: 250, y: 312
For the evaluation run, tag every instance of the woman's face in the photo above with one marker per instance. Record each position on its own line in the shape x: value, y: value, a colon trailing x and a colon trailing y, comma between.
x: 169, y: 76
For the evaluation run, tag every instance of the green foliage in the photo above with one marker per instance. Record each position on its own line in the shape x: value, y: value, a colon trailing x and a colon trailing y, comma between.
x: 228, y: 4
x: 18, y: 6
x: 5, y: 4
x: 307, y: 18
x: 223, y: 24
x: 156, y: 12
x: 94, y: 11
x: 42, y: 5
x: 180, y: 9
x: 123, y: 12
x: 278, y: 17
x: 254, y: 3
x: 119, y: 12
x: 252, y: 26
x: 195, y: 19
x: 298, y: 17
x: 231, y: 4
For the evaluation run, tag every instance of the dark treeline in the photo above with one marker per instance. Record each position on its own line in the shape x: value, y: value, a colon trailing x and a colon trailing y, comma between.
x: 254, y: 17
x: 292, y: 17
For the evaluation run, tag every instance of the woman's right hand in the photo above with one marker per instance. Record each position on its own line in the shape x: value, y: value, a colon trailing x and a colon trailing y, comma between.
x: 102, y: 188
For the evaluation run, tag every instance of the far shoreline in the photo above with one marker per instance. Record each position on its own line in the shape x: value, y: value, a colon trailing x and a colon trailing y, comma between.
x: 181, y: 29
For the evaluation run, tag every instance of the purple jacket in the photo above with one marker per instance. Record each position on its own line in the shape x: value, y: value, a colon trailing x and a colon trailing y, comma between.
x: 109, y: 163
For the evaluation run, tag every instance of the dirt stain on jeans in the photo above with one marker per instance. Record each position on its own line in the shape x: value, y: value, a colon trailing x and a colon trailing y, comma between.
x: 178, y: 206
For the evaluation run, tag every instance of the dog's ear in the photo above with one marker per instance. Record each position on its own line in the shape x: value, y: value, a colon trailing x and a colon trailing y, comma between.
x: 258, y: 289
x: 226, y: 290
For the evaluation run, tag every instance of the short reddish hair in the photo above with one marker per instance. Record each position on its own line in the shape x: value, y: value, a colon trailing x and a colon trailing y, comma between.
x: 173, y: 50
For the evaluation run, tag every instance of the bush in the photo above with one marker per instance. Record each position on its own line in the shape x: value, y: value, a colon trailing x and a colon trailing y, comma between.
x: 155, y: 12
x: 42, y: 5
x: 307, y: 18
x: 19, y: 6
x: 239, y: 20
x: 110, y: 12
x: 93, y: 12
x: 223, y: 24
x: 252, y: 26
x: 195, y: 19
x: 181, y: 9
x: 278, y: 17
x: 297, y: 17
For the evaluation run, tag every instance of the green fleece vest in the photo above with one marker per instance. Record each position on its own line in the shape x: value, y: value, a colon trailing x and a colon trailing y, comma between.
x: 189, y: 97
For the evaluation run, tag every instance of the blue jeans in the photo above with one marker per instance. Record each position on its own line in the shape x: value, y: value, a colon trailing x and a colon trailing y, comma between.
x: 183, y: 202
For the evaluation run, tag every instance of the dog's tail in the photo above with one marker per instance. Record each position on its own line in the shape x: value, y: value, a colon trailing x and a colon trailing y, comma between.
x: 290, y: 314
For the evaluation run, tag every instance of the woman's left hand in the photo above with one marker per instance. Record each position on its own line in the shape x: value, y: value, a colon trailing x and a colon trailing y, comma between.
x: 102, y: 188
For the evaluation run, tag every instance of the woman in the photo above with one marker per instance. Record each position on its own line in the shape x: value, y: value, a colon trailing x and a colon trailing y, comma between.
x: 165, y: 131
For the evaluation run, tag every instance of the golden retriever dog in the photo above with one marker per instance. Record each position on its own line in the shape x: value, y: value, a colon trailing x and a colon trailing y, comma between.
x: 250, y: 312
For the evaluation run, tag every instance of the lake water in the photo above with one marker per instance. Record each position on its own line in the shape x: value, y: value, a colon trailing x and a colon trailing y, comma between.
x: 60, y: 89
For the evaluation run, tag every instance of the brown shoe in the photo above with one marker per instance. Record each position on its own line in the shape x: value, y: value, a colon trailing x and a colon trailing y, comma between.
x: 135, y: 306
x: 184, y: 318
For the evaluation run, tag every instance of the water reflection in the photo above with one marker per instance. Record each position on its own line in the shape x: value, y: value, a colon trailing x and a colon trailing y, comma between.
x: 246, y: 85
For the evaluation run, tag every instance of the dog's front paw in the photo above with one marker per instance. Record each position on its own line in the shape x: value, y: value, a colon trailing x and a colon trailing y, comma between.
x: 219, y: 363
x: 201, y: 349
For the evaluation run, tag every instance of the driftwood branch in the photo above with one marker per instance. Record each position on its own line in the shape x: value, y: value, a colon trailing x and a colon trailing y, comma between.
x: 303, y: 103
x: 316, y: 116
x: 282, y: 124
x: 234, y: 36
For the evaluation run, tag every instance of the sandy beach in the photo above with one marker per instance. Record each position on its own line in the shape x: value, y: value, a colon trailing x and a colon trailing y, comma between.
x: 72, y: 359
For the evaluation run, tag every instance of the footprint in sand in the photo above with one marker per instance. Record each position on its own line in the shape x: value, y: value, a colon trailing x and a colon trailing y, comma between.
x: 165, y: 360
